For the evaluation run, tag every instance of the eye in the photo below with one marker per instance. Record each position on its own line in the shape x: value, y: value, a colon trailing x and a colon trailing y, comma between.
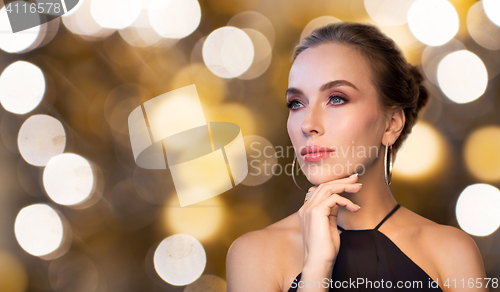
x: 337, y: 97
x: 291, y: 104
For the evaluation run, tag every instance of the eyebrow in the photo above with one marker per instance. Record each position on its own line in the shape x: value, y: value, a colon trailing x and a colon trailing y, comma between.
x: 324, y: 87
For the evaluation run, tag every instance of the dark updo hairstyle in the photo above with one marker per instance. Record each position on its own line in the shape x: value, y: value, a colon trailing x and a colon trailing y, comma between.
x: 397, y: 82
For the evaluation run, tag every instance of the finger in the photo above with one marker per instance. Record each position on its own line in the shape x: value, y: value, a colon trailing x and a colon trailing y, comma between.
x: 351, y: 178
x: 326, y: 190
x: 342, y: 202
x: 311, y: 189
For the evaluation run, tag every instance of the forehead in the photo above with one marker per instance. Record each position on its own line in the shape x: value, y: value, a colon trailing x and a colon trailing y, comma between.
x: 327, y: 62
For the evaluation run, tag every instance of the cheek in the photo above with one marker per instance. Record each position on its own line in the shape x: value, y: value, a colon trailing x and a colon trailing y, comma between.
x: 360, y: 126
x: 292, y: 126
x: 344, y: 125
x: 288, y: 126
x: 375, y: 121
x: 368, y: 133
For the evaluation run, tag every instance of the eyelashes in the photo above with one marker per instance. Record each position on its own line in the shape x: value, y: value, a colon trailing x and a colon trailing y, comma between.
x: 291, y: 103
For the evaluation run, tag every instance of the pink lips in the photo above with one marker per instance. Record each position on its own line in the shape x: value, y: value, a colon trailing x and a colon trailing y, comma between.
x: 315, y: 153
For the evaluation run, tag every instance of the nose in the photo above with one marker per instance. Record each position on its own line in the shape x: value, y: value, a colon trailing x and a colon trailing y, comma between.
x: 313, y: 121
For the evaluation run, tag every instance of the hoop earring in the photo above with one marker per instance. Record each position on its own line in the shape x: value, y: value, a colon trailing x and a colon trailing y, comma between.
x: 388, y: 168
x: 293, y: 171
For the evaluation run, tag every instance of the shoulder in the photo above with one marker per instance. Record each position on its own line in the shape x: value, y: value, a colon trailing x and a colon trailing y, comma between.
x: 266, y: 239
x: 254, y: 260
x: 454, y: 253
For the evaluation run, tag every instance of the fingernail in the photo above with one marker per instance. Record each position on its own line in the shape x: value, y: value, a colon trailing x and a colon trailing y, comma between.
x: 354, y: 174
x: 359, y: 207
x: 360, y: 184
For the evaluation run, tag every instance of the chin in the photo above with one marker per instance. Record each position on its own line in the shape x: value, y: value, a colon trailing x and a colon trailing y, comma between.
x: 317, y: 179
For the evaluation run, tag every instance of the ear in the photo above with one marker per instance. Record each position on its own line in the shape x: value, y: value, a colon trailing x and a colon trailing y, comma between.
x: 394, y: 125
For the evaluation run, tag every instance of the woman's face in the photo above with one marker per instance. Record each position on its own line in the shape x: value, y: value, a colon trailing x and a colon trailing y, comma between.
x: 327, y: 111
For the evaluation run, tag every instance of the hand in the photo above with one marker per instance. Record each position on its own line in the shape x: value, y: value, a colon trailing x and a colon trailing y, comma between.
x: 319, y: 214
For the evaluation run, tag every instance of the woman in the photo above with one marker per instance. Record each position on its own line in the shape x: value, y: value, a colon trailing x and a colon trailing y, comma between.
x: 353, y: 100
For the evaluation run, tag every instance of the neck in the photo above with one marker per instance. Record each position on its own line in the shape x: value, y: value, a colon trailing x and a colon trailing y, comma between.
x: 375, y: 198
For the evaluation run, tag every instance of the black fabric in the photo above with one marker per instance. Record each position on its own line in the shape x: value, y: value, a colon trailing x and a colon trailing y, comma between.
x: 368, y: 255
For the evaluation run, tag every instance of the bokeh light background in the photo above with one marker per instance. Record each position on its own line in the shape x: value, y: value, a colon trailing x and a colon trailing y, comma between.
x: 77, y: 214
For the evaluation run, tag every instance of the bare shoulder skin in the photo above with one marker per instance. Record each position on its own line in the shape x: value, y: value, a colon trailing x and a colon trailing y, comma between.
x: 444, y: 252
x: 257, y: 260
x: 270, y: 258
